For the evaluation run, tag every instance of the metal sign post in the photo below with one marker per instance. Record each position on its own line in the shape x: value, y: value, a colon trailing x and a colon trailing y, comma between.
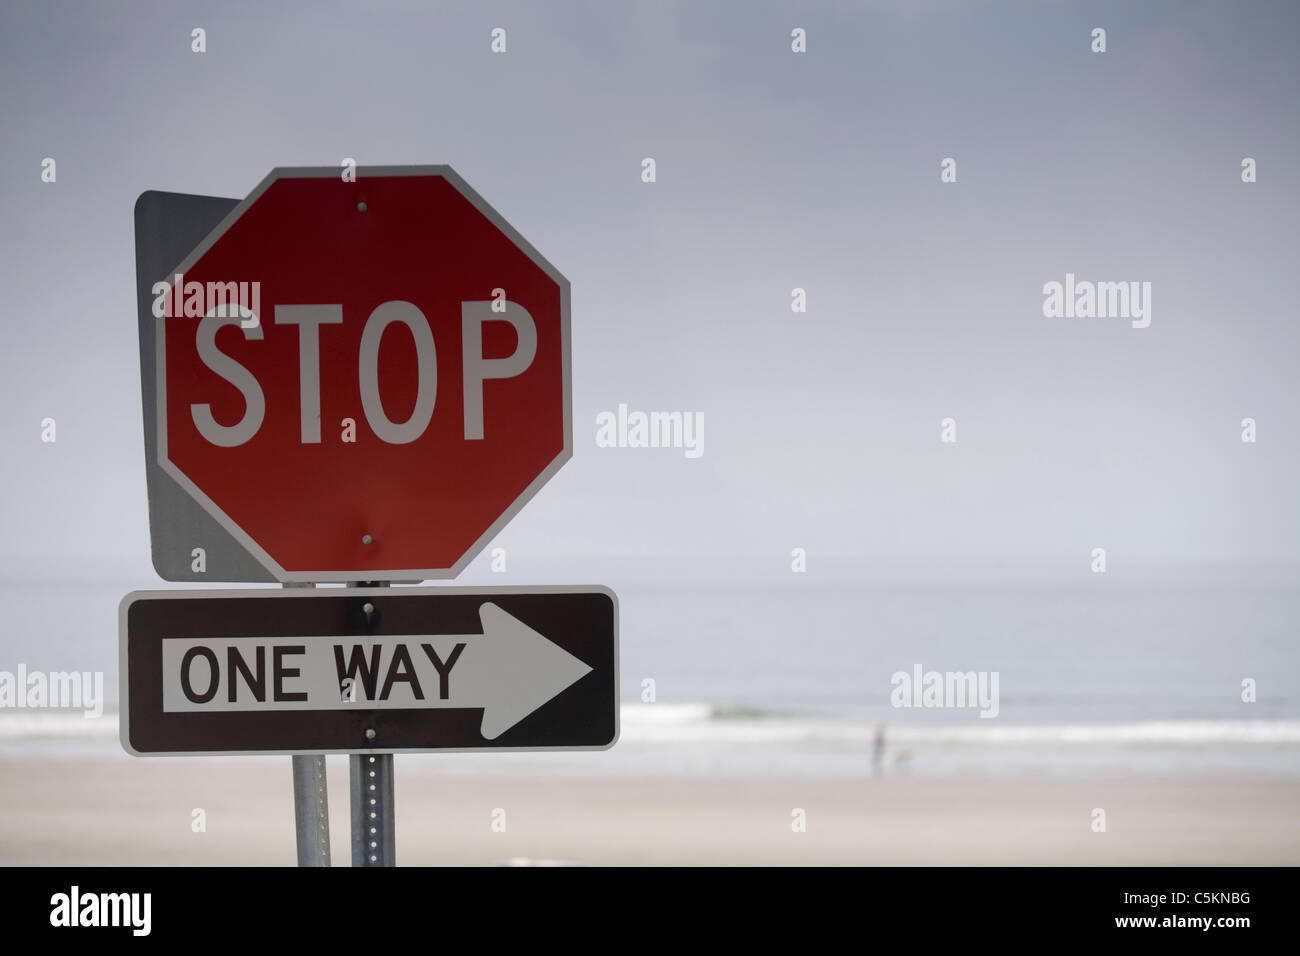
x: 311, y: 813
x: 370, y: 787
x: 374, y: 841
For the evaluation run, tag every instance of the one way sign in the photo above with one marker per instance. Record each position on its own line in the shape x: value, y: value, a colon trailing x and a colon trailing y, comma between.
x: 377, y: 670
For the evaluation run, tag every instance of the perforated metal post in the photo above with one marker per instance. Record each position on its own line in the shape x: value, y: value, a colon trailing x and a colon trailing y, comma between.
x: 311, y: 813
x: 374, y: 840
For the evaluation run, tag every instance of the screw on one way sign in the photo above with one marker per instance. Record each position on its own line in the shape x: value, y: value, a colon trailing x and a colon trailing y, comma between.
x: 352, y: 380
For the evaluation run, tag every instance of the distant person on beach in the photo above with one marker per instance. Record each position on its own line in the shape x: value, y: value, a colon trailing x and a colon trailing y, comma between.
x: 878, y: 750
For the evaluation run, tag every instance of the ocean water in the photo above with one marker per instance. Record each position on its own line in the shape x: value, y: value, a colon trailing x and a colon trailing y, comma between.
x: 794, y: 676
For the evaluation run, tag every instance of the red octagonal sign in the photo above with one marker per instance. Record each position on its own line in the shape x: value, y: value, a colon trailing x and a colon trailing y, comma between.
x: 363, y: 380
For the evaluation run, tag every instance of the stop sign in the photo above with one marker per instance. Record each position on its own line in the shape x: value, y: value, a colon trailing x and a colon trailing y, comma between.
x: 363, y: 379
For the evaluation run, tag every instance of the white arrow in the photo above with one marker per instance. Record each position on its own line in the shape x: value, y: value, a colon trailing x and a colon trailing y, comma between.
x: 518, y: 672
x: 509, y: 670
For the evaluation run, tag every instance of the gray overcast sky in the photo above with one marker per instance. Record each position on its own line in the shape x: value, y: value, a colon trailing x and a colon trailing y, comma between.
x: 775, y: 170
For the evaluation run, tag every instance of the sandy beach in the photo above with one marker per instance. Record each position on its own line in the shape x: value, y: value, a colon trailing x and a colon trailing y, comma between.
x: 118, y: 811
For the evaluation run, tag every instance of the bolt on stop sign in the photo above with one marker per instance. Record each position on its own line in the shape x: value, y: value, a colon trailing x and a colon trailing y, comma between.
x: 362, y: 380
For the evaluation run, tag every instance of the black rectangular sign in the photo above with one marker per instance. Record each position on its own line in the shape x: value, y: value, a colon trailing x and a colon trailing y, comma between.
x: 369, y: 670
